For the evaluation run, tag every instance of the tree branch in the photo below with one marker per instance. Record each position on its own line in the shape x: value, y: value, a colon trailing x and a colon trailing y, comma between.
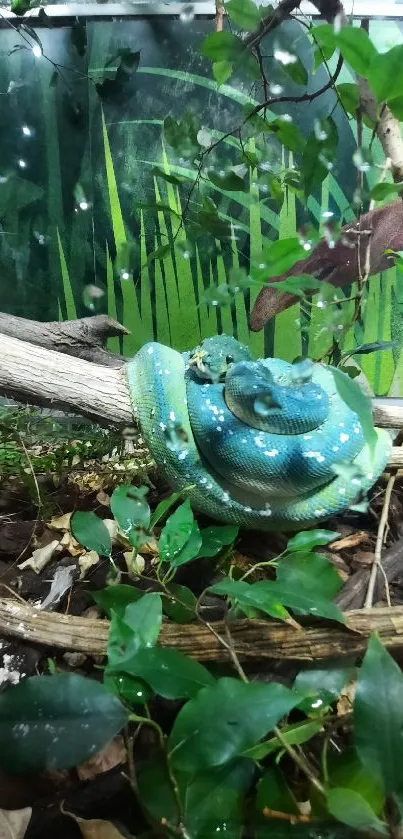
x: 83, y: 338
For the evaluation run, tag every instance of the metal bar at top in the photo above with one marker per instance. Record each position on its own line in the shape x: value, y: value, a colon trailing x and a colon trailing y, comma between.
x: 356, y: 8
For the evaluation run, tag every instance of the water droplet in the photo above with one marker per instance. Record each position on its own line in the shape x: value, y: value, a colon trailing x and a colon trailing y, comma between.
x: 361, y: 161
x: 320, y: 132
x: 22, y: 163
x: 275, y: 89
x: 187, y: 14
x: 37, y: 51
x: 26, y: 131
x: 284, y: 57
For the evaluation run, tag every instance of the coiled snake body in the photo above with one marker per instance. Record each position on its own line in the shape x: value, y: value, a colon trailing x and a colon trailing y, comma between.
x: 262, y: 444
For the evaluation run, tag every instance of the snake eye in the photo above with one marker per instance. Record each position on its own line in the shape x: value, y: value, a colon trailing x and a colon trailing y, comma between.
x: 229, y: 359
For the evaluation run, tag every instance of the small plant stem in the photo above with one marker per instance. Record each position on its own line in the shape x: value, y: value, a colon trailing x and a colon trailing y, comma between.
x: 299, y: 760
x: 219, y: 16
x: 377, y: 563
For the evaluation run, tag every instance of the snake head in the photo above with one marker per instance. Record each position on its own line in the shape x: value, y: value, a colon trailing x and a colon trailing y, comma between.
x: 214, y: 357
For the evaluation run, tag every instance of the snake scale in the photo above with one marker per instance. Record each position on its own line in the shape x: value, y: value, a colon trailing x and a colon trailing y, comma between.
x: 266, y: 444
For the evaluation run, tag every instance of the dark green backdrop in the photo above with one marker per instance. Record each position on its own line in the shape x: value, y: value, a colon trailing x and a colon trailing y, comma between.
x: 75, y: 166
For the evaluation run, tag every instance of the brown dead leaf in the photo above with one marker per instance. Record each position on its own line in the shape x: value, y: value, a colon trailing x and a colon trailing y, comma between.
x: 112, y: 755
x: 96, y: 828
x: 70, y: 543
x: 40, y: 557
x: 346, y: 699
x: 136, y: 565
x: 14, y: 823
x: 150, y: 547
x: 350, y: 541
x: 60, y: 522
x: 103, y: 498
x: 86, y: 561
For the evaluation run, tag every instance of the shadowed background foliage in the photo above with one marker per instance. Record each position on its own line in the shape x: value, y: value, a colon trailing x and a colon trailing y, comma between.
x: 83, y: 210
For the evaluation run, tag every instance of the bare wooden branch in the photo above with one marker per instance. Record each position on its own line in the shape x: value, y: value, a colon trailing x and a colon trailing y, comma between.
x: 253, y: 640
x: 43, y: 377
x: 83, y: 338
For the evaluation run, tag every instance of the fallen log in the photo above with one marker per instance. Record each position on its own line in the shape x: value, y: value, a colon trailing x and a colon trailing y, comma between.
x: 253, y: 640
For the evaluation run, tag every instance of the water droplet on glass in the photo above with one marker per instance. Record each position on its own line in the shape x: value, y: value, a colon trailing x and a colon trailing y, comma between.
x: 361, y: 161
x: 301, y: 371
x: 175, y: 436
x: 319, y: 130
x: 187, y: 14
x: 92, y: 294
x: 284, y: 57
x: 275, y: 89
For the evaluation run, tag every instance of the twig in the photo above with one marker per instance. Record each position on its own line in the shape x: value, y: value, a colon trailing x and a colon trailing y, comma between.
x: 379, y: 543
x: 219, y: 15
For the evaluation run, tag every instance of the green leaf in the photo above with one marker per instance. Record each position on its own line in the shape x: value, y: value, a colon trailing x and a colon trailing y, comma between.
x: 167, y: 176
x: 349, y: 95
x: 288, y: 134
x: 378, y: 716
x: 321, y: 686
x: 248, y: 598
x: 381, y: 191
x: 299, y: 285
x: 176, y: 532
x: 130, y: 508
x: 294, y: 735
x: 345, y: 769
x: 357, y: 49
x: 385, y: 74
x: 229, y: 181
x: 55, y: 722
x: 123, y: 644
x: 225, y: 719
x: 215, y: 801
x: 222, y: 46
x: 355, y: 398
x: 163, y: 507
x: 350, y: 808
x: 159, y: 253
x: 168, y: 672
x: 182, y: 134
x: 215, y: 537
x: 222, y: 71
x: 91, y: 532
x: 296, y: 71
x: 144, y: 618
x: 274, y: 793
x: 311, y: 572
x: 374, y: 346
x: 308, y: 539
x: 181, y: 606
x: 115, y: 598
x: 324, y: 35
x: 278, y: 258
x: 151, y: 775
x: 322, y: 54
x: 130, y: 690
x: 19, y: 7
x: 180, y: 540
x: 191, y: 550
x: 244, y: 13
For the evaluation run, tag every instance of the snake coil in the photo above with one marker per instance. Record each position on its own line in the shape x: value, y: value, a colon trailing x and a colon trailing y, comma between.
x: 264, y: 444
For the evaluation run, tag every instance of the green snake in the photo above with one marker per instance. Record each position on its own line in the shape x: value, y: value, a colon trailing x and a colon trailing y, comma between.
x: 265, y: 444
